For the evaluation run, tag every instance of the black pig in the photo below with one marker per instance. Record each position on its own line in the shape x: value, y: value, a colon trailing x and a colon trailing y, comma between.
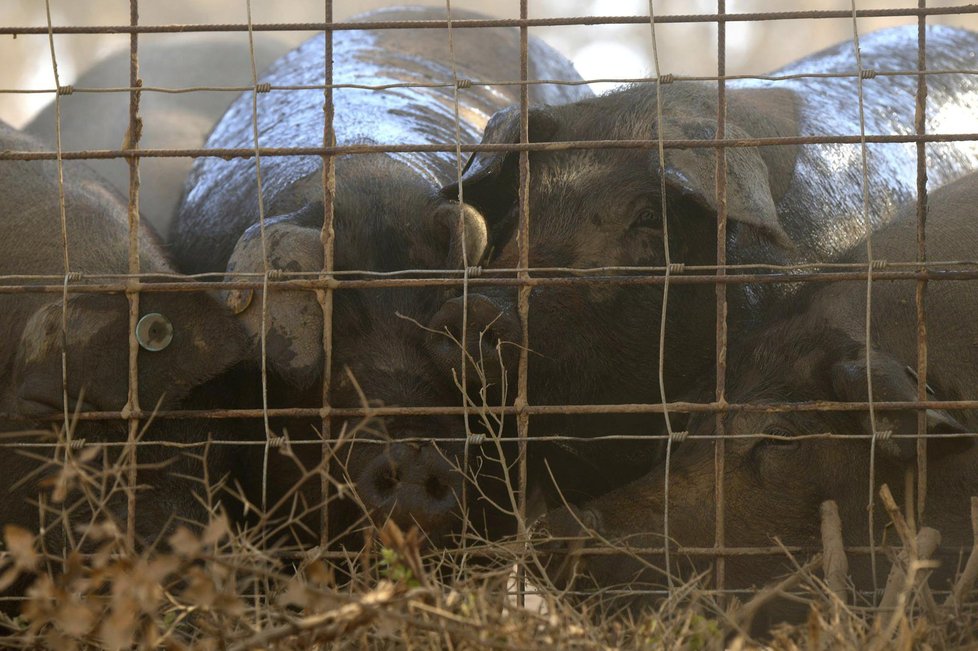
x: 395, y: 193
x: 775, y: 481
x: 388, y: 217
x: 785, y: 204
x: 186, y: 338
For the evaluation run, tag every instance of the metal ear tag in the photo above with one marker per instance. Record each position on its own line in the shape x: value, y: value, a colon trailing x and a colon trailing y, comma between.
x: 239, y: 299
x: 154, y: 332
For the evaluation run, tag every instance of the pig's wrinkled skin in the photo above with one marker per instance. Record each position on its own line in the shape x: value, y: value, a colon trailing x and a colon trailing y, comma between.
x: 169, y: 120
x: 785, y: 204
x: 774, y: 486
x: 394, y: 194
x: 207, y: 340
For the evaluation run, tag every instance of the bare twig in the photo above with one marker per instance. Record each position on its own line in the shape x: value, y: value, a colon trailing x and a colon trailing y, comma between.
x: 966, y: 582
x: 926, y: 543
x: 333, y: 623
x: 903, y: 530
x: 835, y: 564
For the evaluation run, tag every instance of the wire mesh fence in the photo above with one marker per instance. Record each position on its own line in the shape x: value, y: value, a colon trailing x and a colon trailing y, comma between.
x: 625, y: 345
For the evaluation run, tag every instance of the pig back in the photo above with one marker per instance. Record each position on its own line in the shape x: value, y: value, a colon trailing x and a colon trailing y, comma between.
x: 822, y: 209
x: 170, y: 120
x: 96, y: 217
x: 951, y: 306
x: 222, y: 198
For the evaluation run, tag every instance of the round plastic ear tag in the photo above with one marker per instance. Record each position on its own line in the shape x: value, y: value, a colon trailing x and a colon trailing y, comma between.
x: 154, y: 332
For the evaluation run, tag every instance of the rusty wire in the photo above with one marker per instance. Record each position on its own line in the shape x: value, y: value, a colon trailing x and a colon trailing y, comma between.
x: 471, y: 148
x: 666, y: 79
x: 867, y: 220
x: 327, y: 236
x: 920, y: 291
x: 719, y: 456
x: 532, y: 410
x: 133, y: 136
x: 499, y: 22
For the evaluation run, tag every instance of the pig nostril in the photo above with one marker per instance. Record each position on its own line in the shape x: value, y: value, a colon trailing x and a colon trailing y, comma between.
x: 436, y: 488
x: 387, y: 481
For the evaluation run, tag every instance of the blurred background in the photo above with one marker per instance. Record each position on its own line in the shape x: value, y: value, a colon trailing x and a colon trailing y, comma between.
x: 618, y: 51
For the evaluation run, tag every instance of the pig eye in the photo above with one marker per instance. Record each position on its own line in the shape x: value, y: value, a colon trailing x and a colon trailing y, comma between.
x: 647, y: 217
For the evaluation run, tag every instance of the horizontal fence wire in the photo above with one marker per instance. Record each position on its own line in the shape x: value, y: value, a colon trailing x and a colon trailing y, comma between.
x: 277, y: 276
x: 267, y: 88
x: 285, y: 152
x: 479, y: 439
x: 488, y: 551
x: 904, y: 12
x: 337, y: 284
x: 538, y: 410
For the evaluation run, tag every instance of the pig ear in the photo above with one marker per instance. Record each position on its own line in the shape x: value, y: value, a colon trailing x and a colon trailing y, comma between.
x: 893, y: 382
x: 37, y: 370
x: 467, y: 234
x: 692, y: 174
x: 293, y: 320
x: 490, y: 180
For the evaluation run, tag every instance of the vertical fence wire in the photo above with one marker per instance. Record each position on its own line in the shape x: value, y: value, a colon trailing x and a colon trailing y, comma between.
x: 672, y: 436
x: 719, y: 458
x: 264, y: 243
x: 522, y: 416
x: 63, y: 215
x: 132, y: 142
x: 871, y: 506
x: 920, y: 291
x: 460, y: 231
x: 266, y: 449
x: 325, y: 297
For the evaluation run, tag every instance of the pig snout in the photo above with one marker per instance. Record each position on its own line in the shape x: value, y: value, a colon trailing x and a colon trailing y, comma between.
x: 415, y: 485
x: 492, y: 337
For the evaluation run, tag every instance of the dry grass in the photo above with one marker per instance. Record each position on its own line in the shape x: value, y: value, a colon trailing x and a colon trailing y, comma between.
x: 219, y: 587
x: 231, y: 583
